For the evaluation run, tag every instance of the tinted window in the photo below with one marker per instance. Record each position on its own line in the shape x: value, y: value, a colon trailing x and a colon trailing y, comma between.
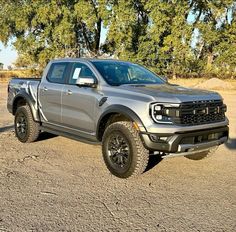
x: 119, y: 73
x: 57, y: 73
x: 80, y: 70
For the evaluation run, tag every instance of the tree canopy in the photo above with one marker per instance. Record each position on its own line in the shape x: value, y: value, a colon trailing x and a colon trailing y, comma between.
x: 173, y: 37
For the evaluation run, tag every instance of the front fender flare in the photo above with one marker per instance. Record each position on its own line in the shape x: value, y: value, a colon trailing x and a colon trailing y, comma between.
x: 120, y: 109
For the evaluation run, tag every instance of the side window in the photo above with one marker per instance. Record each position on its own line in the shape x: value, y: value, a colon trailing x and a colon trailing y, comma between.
x: 56, y: 73
x: 80, y: 70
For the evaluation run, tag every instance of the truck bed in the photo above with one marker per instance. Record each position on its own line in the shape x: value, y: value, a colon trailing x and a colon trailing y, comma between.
x: 24, y: 86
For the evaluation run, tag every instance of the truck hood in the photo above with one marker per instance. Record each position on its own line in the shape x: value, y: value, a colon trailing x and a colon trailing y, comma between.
x: 172, y: 93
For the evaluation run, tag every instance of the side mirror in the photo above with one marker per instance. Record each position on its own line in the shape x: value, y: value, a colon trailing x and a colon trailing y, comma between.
x: 86, y: 82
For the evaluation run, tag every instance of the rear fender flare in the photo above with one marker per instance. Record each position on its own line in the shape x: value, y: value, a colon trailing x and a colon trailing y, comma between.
x: 30, y: 101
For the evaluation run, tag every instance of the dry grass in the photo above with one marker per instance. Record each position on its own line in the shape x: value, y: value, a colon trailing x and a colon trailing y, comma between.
x: 191, y: 82
x: 187, y: 82
x: 6, y: 75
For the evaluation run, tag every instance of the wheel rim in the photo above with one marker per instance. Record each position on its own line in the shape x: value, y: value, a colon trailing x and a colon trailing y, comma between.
x: 118, y: 151
x: 21, y: 125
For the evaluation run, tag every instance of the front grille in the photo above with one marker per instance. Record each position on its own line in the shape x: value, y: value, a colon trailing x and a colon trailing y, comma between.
x: 200, y: 112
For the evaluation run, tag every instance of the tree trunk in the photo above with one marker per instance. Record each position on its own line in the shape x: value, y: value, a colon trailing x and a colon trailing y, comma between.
x: 209, y: 61
x: 98, y: 36
x: 174, y: 75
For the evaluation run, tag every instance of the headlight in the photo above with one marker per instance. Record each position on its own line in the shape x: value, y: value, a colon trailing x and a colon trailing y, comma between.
x: 163, y: 112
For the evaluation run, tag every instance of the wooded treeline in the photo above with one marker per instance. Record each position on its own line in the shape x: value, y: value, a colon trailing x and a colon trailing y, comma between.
x: 172, y: 37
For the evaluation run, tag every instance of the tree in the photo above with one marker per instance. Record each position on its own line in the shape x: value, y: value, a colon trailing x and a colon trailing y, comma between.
x: 154, y: 33
x: 215, y: 24
x: 169, y: 36
x: 127, y: 24
x: 50, y: 29
x: 22, y: 61
x: 226, y: 50
x: 173, y: 37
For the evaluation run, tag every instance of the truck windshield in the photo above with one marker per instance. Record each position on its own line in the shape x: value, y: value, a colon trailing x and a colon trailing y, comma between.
x: 120, y: 73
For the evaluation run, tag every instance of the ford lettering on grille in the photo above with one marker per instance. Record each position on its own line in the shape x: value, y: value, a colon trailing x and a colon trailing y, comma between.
x: 201, y: 112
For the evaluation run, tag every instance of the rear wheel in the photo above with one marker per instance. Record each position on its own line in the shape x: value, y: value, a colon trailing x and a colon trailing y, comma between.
x: 26, y: 129
x: 202, y: 155
x: 123, y: 151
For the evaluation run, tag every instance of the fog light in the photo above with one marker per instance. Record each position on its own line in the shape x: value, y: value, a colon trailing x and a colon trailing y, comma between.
x: 156, y: 138
x: 158, y: 117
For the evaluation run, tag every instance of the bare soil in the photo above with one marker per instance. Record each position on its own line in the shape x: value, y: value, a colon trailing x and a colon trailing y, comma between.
x: 216, y: 84
x: 57, y: 184
x: 204, y: 83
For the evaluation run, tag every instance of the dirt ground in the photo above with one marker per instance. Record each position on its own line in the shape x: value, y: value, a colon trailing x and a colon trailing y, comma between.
x: 57, y: 184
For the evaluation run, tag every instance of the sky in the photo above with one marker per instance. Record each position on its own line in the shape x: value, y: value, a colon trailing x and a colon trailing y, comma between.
x: 8, y: 55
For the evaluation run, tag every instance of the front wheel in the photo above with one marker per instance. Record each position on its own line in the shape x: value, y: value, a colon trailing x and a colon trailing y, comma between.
x: 26, y: 129
x: 123, y: 150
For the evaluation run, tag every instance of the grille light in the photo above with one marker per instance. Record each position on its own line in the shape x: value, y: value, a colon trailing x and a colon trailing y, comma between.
x: 158, y: 117
x: 157, y: 107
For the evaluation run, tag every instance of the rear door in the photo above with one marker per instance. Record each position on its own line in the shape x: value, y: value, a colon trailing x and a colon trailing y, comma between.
x: 50, y: 91
x: 78, y: 103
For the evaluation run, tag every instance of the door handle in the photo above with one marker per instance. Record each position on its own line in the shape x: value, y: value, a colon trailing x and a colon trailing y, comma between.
x: 69, y: 92
x: 45, y: 89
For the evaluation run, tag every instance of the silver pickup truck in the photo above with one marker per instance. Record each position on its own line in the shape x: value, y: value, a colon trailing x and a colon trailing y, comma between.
x: 128, y: 109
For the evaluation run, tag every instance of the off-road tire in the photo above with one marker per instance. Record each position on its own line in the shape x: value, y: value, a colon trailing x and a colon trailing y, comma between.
x: 138, y: 155
x: 32, y: 128
x: 202, y: 155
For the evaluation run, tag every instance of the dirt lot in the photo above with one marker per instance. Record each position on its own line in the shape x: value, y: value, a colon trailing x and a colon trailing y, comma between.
x: 57, y: 184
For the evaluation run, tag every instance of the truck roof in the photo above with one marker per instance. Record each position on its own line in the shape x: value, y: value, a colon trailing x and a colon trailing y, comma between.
x: 85, y: 59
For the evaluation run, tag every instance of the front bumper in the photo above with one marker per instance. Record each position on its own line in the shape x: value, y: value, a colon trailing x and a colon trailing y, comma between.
x: 185, y: 142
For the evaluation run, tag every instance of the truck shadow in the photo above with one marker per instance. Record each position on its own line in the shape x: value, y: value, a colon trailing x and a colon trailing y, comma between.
x: 231, y: 143
x: 6, y: 128
x: 45, y: 136
x: 42, y: 136
x: 153, y: 161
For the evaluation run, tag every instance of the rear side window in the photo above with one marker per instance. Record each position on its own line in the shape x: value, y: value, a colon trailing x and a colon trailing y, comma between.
x: 57, y: 72
x: 80, y: 70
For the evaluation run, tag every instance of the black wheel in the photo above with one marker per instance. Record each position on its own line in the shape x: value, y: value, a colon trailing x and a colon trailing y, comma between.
x: 202, y: 155
x: 123, y: 151
x: 26, y: 129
